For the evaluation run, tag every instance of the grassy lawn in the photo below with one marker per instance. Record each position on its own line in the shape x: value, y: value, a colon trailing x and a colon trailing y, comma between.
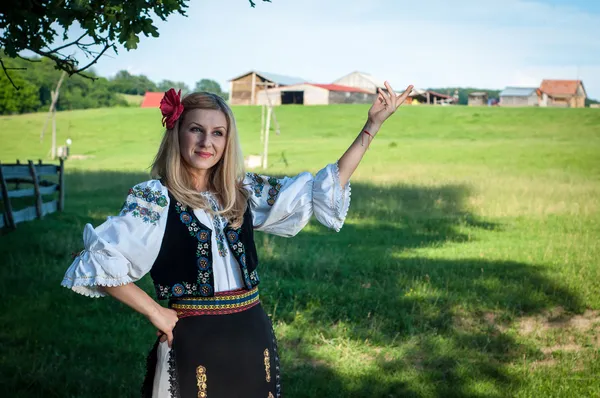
x: 468, y: 265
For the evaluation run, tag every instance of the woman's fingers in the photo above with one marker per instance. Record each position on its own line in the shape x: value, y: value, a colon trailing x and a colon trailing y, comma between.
x: 386, y: 97
x: 170, y: 338
x: 391, y: 93
x: 402, y: 97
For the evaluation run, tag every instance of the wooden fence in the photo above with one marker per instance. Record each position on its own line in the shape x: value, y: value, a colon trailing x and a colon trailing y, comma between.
x: 30, y: 173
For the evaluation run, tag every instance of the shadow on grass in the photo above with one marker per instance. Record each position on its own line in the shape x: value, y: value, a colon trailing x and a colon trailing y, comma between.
x: 424, y: 326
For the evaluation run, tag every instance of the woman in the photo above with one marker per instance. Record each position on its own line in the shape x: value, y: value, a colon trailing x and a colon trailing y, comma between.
x: 192, y: 228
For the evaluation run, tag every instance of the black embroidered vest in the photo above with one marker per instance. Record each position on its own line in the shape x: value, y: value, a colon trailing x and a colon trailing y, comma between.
x: 183, y: 267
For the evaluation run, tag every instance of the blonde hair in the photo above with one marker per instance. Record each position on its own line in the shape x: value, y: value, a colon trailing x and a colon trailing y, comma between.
x: 226, y: 177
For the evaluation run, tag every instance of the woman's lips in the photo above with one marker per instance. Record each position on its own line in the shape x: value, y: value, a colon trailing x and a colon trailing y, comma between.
x: 204, y: 155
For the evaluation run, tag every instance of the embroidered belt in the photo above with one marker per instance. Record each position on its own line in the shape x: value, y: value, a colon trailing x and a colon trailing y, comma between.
x: 220, y: 304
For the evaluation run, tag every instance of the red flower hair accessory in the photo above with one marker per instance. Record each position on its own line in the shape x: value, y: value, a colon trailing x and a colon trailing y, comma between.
x: 171, y: 108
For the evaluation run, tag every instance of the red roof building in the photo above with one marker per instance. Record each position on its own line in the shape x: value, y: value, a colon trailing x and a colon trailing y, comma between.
x: 563, y: 93
x: 152, y: 100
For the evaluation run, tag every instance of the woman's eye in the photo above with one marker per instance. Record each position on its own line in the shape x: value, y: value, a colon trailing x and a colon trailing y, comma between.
x: 218, y: 133
x: 196, y: 129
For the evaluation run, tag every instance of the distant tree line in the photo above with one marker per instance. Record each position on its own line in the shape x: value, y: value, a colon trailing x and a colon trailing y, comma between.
x: 36, y: 81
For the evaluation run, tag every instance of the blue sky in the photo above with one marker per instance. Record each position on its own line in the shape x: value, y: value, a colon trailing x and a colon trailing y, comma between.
x: 428, y: 43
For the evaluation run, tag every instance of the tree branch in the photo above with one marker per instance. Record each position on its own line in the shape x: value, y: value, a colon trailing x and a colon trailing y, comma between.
x: 253, y: 4
x: 5, y: 69
x: 69, y: 44
x: 29, y: 59
x: 106, y: 47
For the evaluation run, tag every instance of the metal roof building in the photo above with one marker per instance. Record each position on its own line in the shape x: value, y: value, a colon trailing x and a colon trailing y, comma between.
x: 519, y: 96
x: 361, y: 80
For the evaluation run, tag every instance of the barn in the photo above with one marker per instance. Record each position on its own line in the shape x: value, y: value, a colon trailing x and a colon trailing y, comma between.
x: 152, y: 100
x: 519, y: 96
x: 563, y: 93
x: 244, y: 89
x: 314, y: 94
x: 361, y: 80
x: 478, y: 98
x: 419, y: 96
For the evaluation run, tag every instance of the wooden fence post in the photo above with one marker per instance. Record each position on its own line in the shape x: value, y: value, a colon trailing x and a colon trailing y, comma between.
x: 17, y: 184
x: 61, y: 185
x: 7, y: 207
x: 36, y: 188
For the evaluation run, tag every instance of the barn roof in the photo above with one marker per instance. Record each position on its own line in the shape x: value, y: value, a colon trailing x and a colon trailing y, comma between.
x: 275, y: 78
x: 375, y: 81
x: 152, y: 100
x: 518, y: 91
x: 338, y: 87
x: 478, y: 94
x: 560, y: 87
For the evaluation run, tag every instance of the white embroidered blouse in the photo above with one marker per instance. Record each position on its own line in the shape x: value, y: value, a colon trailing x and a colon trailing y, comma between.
x: 123, y: 249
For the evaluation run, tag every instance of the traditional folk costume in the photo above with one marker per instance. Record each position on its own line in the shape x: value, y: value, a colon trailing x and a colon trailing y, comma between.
x: 223, y: 344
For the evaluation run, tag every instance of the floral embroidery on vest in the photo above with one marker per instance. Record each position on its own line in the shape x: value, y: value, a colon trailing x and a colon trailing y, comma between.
x: 258, y: 185
x: 254, y: 278
x: 273, y: 191
x: 239, y: 252
x: 201, y: 381
x: 203, y: 260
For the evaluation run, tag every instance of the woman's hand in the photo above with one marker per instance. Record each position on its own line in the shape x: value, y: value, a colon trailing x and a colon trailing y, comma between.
x: 164, y: 319
x: 385, y: 105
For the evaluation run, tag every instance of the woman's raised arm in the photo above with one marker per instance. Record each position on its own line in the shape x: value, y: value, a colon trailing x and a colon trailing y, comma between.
x: 383, y: 107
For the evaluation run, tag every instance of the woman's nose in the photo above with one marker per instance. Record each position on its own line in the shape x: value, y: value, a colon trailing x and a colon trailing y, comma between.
x: 204, y: 140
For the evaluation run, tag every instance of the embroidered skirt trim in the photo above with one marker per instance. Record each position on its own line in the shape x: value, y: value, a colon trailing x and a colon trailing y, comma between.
x: 220, y: 304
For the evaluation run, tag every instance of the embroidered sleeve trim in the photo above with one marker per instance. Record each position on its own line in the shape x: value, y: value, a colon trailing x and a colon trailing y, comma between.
x: 144, y: 203
x: 257, y: 183
x: 273, y: 191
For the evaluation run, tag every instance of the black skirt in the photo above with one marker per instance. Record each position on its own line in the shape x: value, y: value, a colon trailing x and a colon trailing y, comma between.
x: 223, y: 347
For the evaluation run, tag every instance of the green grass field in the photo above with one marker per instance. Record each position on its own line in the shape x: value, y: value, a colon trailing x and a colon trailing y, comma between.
x: 468, y: 265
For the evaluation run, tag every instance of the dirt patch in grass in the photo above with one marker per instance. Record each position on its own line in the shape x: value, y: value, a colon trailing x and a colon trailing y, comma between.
x: 562, y: 347
x: 558, y: 319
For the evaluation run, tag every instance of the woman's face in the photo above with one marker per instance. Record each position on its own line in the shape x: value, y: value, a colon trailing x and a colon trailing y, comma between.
x: 202, y: 138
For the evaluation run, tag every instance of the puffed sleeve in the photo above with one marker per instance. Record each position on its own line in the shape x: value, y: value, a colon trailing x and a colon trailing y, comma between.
x: 284, y: 206
x: 122, y: 249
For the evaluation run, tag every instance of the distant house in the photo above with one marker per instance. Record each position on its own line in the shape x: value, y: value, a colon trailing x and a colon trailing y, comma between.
x: 478, y: 98
x: 563, y: 93
x: 418, y: 96
x: 520, y: 96
x: 152, y: 100
x: 243, y: 89
x: 361, y: 80
x: 314, y: 94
